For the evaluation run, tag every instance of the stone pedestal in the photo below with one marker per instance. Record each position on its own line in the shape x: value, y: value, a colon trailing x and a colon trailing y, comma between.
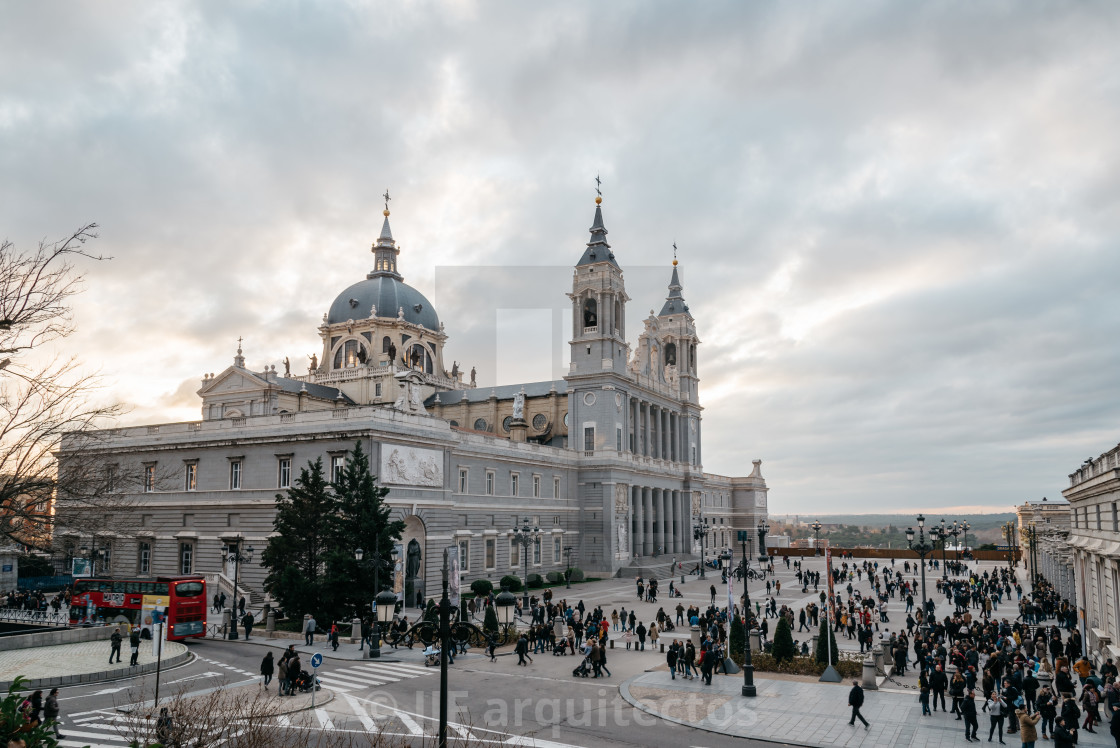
x: 869, y: 673
x: 518, y: 431
x: 355, y: 630
x: 696, y: 638
x: 888, y: 656
x: 877, y: 658
x: 756, y: 640
x: 270, y: 621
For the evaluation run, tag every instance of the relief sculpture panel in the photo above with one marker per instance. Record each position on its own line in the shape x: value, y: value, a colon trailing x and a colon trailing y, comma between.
x: 409, y: 466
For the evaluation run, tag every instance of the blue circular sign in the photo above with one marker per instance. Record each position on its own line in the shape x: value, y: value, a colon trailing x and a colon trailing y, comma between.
x: 316, y: 660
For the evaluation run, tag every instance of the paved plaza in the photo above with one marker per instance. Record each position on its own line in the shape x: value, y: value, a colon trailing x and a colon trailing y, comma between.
x: 85, y: 662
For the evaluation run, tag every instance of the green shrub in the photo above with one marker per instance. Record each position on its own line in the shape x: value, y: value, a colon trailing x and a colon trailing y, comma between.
x: 554, y: 577
x: 577, y: 574
x: 784, y: 648
x: 535, y: 581
x: 511, y: 582
x: 482, y: 587
x: 12, y: 722
x: 490, y: 621
x: 804, y: 666
x: 736, y: 638
x: 824, y: 639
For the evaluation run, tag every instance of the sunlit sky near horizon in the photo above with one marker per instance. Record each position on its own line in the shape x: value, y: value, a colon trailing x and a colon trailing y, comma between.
x: 899, y: 224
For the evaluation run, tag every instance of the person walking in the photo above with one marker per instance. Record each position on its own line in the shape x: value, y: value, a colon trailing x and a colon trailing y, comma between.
x: 641, y: 632
x: 522, y: 649
x: 266, y: 670
x: 968, y: 709
x: 596, y: 658
x: 855, y: 701
x: 713, y: 591
x: 671, y: 660
x: 134, y: 645
x: 707, y: 665
x: 51, y: 712
x: 282, y: 674
x: 115, y: 645
x: 938, y: 682
x: 247, y: 622
x: 309, y: 632
x: 603, y: 659
x: 333, y: 637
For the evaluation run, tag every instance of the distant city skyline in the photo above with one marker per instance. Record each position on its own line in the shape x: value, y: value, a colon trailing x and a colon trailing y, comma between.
x: 898, y: 227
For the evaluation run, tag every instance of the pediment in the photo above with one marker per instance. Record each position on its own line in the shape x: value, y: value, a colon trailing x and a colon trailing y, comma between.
x: 233, y: 380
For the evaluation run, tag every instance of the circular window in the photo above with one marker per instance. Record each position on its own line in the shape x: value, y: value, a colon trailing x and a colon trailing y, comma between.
x: 589, y: 398
x: 454, y: 423
x: 540, y: 421
x: 480, y: 424
x: 565, y: 420
x: 506, y: 422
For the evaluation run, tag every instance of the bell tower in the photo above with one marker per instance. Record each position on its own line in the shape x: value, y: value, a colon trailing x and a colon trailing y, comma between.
x: 679, y: 341
x: 598, y: 341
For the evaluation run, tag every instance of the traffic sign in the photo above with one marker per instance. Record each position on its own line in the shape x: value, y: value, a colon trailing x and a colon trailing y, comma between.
x: 316, y: 660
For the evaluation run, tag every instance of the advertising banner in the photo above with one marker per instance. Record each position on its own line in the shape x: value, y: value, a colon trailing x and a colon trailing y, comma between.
x: 398, y: 572
x: 453, y: 575
x: 81, y: 567
x: 150, y: 606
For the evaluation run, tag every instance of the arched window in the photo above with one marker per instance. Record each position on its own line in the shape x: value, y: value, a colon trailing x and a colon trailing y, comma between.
x: 349, y: 354
x: 419, y: 357
x: 590, y: 313
x: 385, y: 343
x: 692, y: 357
x: 671, y: 354
x: 617, y: 316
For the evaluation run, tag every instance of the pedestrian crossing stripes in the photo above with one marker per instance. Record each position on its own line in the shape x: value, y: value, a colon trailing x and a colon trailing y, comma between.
x: 351, y: 677
x: 228, y: 667
x: 103, y: 729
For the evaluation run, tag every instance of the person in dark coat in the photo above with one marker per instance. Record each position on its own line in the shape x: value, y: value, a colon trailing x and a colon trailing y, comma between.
x: 115, y: 646
x: 938, y: 682
x: 968, y: 709
x: 1065, y: 734
x: 247, y: 622
x: 522, y: 649
x: 134, y: 645
x: 267, y: 669
x: 855, y: 701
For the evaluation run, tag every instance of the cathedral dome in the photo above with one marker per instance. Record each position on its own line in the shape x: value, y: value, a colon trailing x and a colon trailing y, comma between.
x: 389, y: 295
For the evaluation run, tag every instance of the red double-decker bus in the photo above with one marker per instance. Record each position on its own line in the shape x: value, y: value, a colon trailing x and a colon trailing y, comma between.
x: 97, y: 601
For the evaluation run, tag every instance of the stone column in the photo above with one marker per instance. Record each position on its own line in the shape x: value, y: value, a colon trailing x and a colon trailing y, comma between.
x: 671, y: 517
x: 643, y: 412
x: 659, y: 511
x: 647, y: 532
x: 673, y: 437
x: 638, y: 530
x: 665, y: 435
x: 654, y: 432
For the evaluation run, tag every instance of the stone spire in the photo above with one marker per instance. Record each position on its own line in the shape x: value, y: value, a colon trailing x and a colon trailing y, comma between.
x: 598, y: 250
x: 239, y: 359
x: 385, y: 249
x: 674, y: 302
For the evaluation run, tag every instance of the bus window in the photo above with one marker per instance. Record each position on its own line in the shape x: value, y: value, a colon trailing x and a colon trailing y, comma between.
x: 188, y: 589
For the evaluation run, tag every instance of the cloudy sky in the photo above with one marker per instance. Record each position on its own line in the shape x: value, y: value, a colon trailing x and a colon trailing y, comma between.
x: 899, y: 224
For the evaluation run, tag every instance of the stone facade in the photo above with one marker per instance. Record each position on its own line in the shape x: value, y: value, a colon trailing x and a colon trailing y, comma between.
x: 1094, y: 549
x: 607, y: 461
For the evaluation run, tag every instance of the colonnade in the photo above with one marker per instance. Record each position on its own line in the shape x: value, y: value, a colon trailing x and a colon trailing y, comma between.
x: 660, y: 521
x: 658, y: 432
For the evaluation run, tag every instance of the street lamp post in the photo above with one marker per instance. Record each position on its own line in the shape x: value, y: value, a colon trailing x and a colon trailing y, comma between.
x: 526, y: 536
x: 384, y: 601
x: 923, y: 548
x: 952, y: 531
x: 763, y: 531
x: 816, y: 527
x: 1009, y: 536
x: 238, y: 558
x: 568, y: 568
x: 748, y: 666
x: 965, y: 527
x: 1032, y: 537
x: 700, y: 532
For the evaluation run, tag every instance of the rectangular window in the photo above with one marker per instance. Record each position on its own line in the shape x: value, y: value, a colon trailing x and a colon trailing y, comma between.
x: 145, y: 564
x: 464, y: 555
x: 536, y: 551
x: 491, y: 552
x: 514, y: 484
x: 1115, y: 521
x: 489, y: 483
x: 191, y: 482
x: 463, y: 475
x: 377, y: 390
x: 557, y: 549
x: 234, y: 477
x: 186, y: 558
x: 1098, y: 508
x: 514, y: 554
x: 149, y: 478
x: 284, y: 468
x: 536, y: 486
x: 618, y: 438
x: 555, y: 488
x: 588, y: 438
x: 338, y: 462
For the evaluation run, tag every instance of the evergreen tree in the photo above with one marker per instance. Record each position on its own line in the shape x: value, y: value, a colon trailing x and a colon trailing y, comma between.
x: 736, y: 640
x: 825, y: 639
x: 784, y: 648
x: 362, y: 522
x: 296, y: 554
x: 490, y: 621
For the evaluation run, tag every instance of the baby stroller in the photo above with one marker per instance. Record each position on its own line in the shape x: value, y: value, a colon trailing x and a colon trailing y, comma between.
x: 583, y: 669
x: 431, y: 657
x: 304, y: 682
x: 561, y: 647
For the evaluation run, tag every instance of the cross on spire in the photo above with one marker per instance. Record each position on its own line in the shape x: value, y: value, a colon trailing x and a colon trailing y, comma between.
x: 598, y: 183
x: 387, y: 198
x: 239, y: 343
x: 674, y: 250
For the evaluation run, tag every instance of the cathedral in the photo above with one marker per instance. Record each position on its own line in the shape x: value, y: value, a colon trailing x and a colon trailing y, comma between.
x: 605, y: 464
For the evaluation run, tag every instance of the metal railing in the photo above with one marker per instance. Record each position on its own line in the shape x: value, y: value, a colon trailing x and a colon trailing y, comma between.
x: 37, y: 617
